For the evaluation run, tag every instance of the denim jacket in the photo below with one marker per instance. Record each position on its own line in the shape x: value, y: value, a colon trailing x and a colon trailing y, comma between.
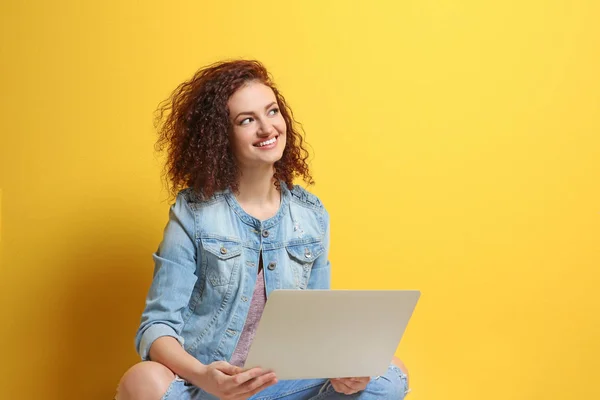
x: 207, y: 263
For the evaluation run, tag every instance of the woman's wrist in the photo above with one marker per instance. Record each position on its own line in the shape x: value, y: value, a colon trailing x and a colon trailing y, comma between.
x: 199, y: 374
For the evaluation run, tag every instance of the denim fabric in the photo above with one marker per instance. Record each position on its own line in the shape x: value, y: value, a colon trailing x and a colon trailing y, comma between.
x: 391, y: 386
x: 207, y: 263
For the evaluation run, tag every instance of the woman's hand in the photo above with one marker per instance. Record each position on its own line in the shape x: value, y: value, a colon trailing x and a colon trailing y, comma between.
x: 228, y: 382
x: 355, y: 385
x: 349, y: 385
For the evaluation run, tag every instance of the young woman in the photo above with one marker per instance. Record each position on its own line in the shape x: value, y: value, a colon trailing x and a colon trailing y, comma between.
x: 239, y: 229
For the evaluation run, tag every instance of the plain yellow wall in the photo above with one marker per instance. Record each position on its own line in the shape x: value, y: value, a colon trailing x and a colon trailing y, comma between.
x: 456, y: 144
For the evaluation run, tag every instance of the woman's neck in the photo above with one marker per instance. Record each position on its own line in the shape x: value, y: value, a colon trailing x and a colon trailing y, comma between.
x: 256, y: 188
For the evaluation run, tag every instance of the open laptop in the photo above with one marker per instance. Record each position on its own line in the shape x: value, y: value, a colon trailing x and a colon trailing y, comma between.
x: 306, y: 334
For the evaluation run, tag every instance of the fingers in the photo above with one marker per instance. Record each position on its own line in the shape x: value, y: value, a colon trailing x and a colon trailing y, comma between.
x: 350, y: 385
x: 235, y: 383
x: 227, y: 368
x: 245, y: 376
x: 250, y: 382
x: 258, y: 384
x: 340, y: 387
x: 360, y: 381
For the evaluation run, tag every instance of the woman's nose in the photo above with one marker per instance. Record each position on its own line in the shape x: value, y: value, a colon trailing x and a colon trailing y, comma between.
x: 265, y: 129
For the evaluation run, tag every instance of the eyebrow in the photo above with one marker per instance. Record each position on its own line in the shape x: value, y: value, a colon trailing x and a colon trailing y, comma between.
x: 251, y: 113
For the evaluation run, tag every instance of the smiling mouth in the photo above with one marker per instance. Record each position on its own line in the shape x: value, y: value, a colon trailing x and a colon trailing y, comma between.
x: 267, y: 142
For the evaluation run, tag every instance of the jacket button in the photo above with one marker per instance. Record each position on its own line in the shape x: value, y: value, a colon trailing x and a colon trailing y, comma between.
x: 307, y: 253
x: 265, y: 233
x: 272, y: 265
x: 223, y: 250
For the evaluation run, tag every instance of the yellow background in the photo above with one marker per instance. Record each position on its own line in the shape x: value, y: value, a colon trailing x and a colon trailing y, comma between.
x: 456, y: 144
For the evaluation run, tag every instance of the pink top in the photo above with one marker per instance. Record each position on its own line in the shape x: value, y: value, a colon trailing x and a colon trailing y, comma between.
x: 257, y: 305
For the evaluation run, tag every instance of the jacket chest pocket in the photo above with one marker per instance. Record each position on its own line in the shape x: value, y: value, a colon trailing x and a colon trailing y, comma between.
x: 302, y: 257
x: 221, y: 257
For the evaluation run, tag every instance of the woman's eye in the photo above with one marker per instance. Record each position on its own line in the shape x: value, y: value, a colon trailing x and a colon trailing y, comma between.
x: 246, y: 121
x: 274, y: 111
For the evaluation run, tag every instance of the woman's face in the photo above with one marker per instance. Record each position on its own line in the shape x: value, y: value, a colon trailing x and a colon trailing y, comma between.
x: 258, y: 134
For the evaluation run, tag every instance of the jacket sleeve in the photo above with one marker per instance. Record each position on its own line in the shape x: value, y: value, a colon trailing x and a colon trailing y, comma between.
x: 173, y: 281
x: 320, y: 274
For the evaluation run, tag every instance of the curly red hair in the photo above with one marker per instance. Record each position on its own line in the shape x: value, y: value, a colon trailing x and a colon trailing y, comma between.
x: 194, y: 125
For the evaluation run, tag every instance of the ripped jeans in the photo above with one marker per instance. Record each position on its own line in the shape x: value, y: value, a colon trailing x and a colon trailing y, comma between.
x: 391, y: 386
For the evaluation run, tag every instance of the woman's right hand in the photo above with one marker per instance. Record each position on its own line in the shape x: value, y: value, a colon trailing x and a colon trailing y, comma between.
x: 228, y: 382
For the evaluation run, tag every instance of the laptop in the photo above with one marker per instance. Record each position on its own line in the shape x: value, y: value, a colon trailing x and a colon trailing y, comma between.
x: 310, y: 334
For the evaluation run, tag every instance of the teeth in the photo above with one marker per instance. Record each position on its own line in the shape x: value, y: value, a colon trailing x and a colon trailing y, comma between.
x: 268, y: 142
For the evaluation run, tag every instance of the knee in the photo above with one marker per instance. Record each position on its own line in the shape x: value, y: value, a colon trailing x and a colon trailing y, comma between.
x: 392, y: 385
x: 398, y: 362
x: 147, y: 380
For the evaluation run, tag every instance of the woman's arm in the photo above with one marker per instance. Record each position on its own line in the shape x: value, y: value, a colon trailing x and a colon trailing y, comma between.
x: 167, y: 351
x: 173, y: 281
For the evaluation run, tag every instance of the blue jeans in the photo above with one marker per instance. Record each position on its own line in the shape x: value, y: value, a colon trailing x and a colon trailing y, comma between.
x: 391, y: 386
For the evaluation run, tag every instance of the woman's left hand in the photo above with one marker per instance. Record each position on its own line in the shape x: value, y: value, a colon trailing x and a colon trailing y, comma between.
x: 350, y: 385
